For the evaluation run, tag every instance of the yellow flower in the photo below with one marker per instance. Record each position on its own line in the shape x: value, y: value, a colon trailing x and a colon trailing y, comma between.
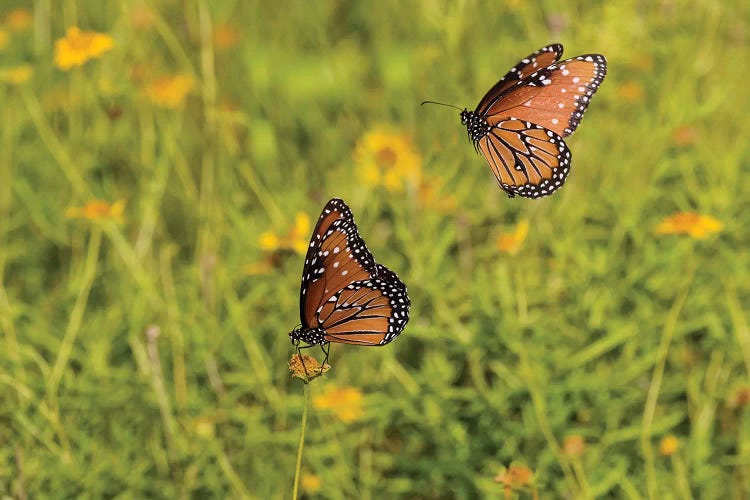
x: 514, y: 478
x: 4, y: 39
x: 387, y: 159
x: 511, y: 242
x: 306, y: 368
x: 16, y: 75
x: 203, y: 427
x: 18, y: 19
x: 630, y: 91
x: 170, y: 91
x: 691, y: 223
x: 668, y: 445
x: 97, y: 210
x: 344, y: 402
x: 78, y: 47
x: 297, y: 238
x: 226, y: 36
x: 310, y: 482
x: 574, y: 445
x: 684, y: 136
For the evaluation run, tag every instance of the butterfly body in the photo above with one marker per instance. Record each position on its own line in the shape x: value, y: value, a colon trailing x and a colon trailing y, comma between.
x: 345, y: 295
x: 519, y: 124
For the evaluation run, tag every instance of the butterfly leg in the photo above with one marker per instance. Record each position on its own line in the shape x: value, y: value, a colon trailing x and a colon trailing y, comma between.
x: 326, y: 348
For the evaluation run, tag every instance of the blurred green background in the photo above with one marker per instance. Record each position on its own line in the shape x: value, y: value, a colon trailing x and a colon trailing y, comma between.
x: 153, y: 200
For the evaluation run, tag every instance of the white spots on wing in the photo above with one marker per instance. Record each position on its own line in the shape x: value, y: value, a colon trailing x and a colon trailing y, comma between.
x: 344, y: 273
x: 561, y: 105
x: 336, y: 250
x: 554, y: 121
x: 335, y: 264
x: 576, y: 80
x: 565, y: 72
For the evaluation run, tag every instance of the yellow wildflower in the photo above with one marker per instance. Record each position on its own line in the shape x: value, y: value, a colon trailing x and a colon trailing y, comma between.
x: 344, y: 402
x: 4, y: 38
x: 630, y: 91
x: 204, y: 427
x: 78, y: 47
x: 310, y: 482
x: 684, y: 136
x: 18, y: 19
x: 511, y: 242
x: 306, y: 368
x: 170, y: 91
x: 668, y: 445
x: 226, y: 36
x: 515, y: 477
x: 387, y: 159
x: 691, y: 223
x: 740, y: 397
x: 297, y: 238
x: 17, y: 74
x: 574, y: 445
x: 98, y: 210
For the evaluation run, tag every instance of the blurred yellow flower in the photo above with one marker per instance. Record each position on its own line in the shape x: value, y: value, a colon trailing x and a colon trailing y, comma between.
x: 18, y: 19
x: 693, y: 224
x: 684, y: 136
x: 310, y: 482
x: 511, y: 242
x: 170, y: 91
x: 387, y: 159
x: 630, y: 91
x: 98, y: 210
x: 226, y: 36
x: 515, y: 477
x: 16, y: 75
x: 78, y: 47
x: 344, y: 402
x: 297, y: 239
x: 668, y: 445
x: 203, y: 427
x: 574, y: 445
x: 740, y: 397
x: 4, y: 39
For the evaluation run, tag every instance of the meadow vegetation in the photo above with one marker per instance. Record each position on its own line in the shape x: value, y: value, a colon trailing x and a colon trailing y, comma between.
x: 162, y: 164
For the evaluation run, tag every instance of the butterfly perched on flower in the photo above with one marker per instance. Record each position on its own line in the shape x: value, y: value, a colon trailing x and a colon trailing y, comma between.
x: 519, y: 124
x: 345, y: 295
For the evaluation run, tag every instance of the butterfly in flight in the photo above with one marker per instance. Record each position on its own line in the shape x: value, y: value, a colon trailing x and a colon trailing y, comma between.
x: 345, y: 295
x: 519, y: 124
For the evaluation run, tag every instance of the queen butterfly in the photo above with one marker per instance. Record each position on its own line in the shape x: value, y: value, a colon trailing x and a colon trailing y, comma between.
x: 345, y: 295
x: 519, y: 124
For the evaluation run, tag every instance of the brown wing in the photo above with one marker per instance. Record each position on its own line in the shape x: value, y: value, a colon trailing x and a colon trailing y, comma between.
x: 339, y: 259
x: 369, y: 312
x: 527, y: 159
x: 526, y: 66
x: 554, y: 97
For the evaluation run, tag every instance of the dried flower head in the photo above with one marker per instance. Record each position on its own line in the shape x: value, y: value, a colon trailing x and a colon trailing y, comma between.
x: 306, y: 368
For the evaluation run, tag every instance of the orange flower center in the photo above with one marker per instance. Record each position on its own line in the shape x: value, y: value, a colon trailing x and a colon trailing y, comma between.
x: 386, y: 157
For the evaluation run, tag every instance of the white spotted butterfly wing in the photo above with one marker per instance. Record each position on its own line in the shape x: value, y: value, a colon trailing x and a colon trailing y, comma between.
x: 520, y: 123
x: 345, y: 296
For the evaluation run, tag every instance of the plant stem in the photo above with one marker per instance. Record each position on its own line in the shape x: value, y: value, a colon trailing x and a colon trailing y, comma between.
x: 295, y: 492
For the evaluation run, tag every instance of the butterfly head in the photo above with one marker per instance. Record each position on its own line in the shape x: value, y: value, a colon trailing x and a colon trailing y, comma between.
x: 312, y: 336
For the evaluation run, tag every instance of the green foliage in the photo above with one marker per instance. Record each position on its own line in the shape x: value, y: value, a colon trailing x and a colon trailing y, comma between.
x: 148, y: 358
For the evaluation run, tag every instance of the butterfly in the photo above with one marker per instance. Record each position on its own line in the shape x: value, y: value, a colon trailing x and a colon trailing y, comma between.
x: 519, y: 124
x: 345, y: 295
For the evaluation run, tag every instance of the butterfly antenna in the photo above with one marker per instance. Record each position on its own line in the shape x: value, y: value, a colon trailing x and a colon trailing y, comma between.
x: 440, y: 104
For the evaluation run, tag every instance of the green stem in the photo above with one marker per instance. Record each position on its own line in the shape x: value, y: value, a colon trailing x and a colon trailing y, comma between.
x: 295, y: 492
